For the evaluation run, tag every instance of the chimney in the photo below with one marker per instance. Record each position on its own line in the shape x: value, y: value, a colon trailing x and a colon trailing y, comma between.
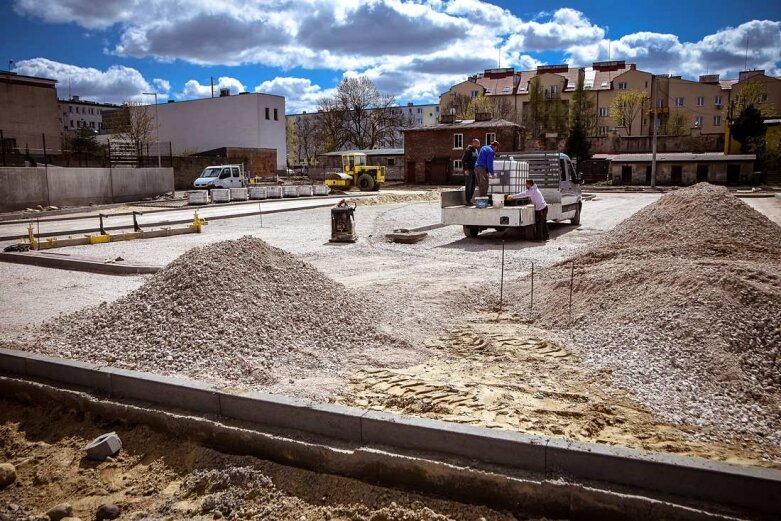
x: 709, y: 78
x: 482, y: 116
x: 744, y: 75
x: 225, y: 92
x: 74, y: 98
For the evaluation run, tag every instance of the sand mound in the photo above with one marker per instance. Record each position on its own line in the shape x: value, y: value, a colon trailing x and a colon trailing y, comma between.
x: 682, y: 302
x: 239, y: 312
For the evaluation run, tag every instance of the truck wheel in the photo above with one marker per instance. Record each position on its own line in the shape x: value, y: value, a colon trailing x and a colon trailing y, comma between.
x: 576, y: 220
x: 471, y: 231
x: 366, y: 183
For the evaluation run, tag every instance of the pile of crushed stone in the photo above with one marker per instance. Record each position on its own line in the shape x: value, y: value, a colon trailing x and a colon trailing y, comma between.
x: 682, y: 304
x: 240, y: 313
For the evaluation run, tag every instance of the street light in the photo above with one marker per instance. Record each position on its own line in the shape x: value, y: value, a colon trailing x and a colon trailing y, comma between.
x: 157, y: 124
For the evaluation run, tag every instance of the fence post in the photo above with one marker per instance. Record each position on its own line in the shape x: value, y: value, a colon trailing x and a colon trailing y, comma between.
x: 2, y: 145
x: 531, y: 302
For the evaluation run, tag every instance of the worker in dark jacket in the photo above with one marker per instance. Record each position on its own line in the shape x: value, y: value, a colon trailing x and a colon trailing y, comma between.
x: 485, y: 166
x: 468, y: 161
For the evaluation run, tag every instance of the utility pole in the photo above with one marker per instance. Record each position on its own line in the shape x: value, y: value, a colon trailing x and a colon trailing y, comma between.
x: 157, y: 124
x: 211, y: 81
x: 656, y: 131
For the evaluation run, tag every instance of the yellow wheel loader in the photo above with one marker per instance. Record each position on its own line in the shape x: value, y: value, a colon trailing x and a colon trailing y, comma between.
x: 356, y: 173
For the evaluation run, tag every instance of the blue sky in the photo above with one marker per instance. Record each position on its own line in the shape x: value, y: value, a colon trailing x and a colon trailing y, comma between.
x: 114, y: 50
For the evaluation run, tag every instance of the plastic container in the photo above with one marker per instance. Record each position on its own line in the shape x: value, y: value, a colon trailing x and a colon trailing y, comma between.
x: 198, y: 197
x: 290, y: 191
x: 221, y: 195
x: 497, y: 200
x: 239, y: 194
x: 274, y: 192
x: 481, y: 202
x: 257, y: 192
x: 305, y: 190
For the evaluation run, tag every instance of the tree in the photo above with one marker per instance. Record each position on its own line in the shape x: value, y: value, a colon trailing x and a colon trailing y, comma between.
x: 677, y: 124
x: 627, y: 106
x: 133, y: 123
x: 499, y: 107
x: 458, y: 104
x: 534, y: 112
x: 578, y: 146
x: 581, y: 108
x: 360, y: 116
x: 749, y: 129
x: 751, y: 93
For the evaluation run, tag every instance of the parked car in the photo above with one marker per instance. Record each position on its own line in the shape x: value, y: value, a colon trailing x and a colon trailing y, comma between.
x: 221, y: 176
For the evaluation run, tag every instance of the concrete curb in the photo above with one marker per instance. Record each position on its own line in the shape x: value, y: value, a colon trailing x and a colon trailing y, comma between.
x: 754, y: 488
x: 75, y: 263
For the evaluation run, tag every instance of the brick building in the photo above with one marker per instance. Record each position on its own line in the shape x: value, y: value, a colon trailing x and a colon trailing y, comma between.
x: 433, y: 154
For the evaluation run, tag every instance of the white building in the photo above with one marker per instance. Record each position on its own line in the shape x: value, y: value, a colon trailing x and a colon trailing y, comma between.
x: 76, y: 113
x: 242, y: 121
x: 420, y: 115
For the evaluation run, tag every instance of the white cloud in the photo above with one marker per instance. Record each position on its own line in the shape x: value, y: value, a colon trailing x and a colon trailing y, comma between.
x: 723, y: 52
x: 114, y: 85
x: 413, y: 49
x: 194, y: 89
x: 300, y: 94
x: 162, y: 85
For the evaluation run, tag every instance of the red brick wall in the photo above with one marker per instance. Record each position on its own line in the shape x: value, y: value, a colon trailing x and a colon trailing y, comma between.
x: 423, y: 146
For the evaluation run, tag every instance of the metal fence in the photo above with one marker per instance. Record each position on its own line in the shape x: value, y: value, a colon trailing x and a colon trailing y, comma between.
x: 40, y: 149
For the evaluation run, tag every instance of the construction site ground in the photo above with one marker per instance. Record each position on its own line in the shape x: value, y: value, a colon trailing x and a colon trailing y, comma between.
x: 475, y: 365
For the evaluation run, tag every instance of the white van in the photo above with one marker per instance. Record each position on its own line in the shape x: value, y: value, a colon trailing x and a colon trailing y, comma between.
x: 221, y: 176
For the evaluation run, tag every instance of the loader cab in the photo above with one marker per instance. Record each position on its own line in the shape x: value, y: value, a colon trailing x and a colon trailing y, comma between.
x: 350, y: 161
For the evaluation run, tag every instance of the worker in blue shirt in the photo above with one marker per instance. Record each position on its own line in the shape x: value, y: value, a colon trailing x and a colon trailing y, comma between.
x: 485, y: 166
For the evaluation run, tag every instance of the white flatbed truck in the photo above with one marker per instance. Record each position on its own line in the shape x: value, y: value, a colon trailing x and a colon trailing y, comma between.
x: 553, y: 174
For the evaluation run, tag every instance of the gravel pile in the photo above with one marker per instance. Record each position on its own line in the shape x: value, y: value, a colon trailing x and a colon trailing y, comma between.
x: 239, y: 312
x: 682, y: 303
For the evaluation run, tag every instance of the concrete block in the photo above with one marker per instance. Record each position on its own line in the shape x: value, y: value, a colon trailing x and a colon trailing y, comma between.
x: 12, y: 361
x: 724, y: 483
x: 164, y: 390
x: 103, y: 446
x: 333, y: 421
x: 487, y: 445
x: 71, y: 372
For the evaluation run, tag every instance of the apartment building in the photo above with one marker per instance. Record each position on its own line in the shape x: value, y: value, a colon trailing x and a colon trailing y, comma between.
x: 76, y: 113
x: 700, y: 105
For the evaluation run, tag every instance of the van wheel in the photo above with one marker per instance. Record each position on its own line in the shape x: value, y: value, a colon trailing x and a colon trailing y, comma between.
x: 576, y: 220
x: 366, y: 183
x: 471, y: 231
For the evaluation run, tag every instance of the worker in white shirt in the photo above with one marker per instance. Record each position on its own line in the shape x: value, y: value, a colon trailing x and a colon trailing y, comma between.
x: 540, y: 209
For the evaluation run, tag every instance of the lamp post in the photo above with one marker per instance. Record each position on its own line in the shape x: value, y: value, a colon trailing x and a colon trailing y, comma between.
x: 157, y: 124
x: 656, y: 108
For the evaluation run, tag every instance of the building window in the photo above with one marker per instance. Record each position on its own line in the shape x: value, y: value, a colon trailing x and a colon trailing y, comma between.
x: 717, y: 100
x: 698, y: 121
x: 679, y: 102
x: 646, y: 84
x: 622, y: 85
x: 267, y: 113
x: 474, y: 93
x: 458, y: 141
x: 490, y: 137
x: 70, y: 109
x: 716, y: 121
x: 602, y: 131
x: 436, y: 109
x: 276, y: 114
x: 603, y: 112
x: 391, y: 161
x: 71, y: 123
x: 456, y: 164
x: 660, y: 103
x: 420, y: 110
x: 700, y: 101
x: 91, y: 124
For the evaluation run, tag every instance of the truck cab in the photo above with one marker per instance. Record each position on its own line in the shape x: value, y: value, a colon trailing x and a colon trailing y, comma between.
x: 552, y: 172
x: 221, y: 176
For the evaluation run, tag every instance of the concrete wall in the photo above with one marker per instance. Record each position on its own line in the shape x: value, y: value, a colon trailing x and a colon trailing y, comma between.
x: 231, y: 121
x: 29, y: 187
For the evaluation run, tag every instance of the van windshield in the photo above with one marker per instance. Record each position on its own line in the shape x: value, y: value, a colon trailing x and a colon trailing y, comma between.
x: 211, y: 172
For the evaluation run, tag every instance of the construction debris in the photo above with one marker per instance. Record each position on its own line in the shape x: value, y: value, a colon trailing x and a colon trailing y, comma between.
x: 239, y: 313
x: 682, y: 304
